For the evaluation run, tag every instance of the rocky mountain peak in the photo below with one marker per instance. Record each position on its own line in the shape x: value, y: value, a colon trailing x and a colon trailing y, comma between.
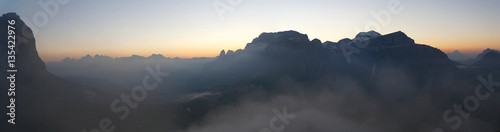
x: 27, y: 57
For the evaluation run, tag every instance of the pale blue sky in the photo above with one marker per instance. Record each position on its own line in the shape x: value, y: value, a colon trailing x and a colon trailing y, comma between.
x: 188, y: 28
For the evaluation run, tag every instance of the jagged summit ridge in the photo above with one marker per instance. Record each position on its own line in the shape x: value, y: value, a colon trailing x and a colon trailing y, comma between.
x: 276, y: 38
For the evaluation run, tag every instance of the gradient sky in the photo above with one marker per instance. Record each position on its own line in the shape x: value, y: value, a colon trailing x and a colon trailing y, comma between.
x: 192, y: 28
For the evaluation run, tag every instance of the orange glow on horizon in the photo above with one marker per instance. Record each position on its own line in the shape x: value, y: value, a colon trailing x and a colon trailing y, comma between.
x: 470, y: 45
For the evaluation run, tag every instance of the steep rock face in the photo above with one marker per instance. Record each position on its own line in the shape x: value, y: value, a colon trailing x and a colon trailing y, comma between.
x: 43, y: 101
x: 399, y: 48
x: 389, y: 61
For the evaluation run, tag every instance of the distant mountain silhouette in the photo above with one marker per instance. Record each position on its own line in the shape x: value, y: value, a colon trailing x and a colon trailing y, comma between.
x: 398, y: 50
x: 458, y: 56
x: 490, y: 58
x: 291, y: 53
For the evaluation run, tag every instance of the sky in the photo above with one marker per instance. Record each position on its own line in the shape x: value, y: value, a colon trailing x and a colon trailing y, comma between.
x: 196, y: 28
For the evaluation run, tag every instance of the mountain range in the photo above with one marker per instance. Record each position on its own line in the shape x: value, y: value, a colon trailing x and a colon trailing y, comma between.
x: 372, y: 82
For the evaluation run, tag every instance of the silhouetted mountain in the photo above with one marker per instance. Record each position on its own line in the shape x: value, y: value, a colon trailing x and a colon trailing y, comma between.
x: 360, y: 39
x: 398, y: 50
x: 472, y: 61
x: 390, y: 68
x: 272, y: 57
x: 390, y: 82
x: 27, y: 58
x: 43, y: 101
x: 157, y: 56
x: 457, y: 56
x: 273, y: 54
x: 486, y: 51
x: 489, y: 59
x: 222, y: 53
x: 292, y: 54
x: 363, y: 36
